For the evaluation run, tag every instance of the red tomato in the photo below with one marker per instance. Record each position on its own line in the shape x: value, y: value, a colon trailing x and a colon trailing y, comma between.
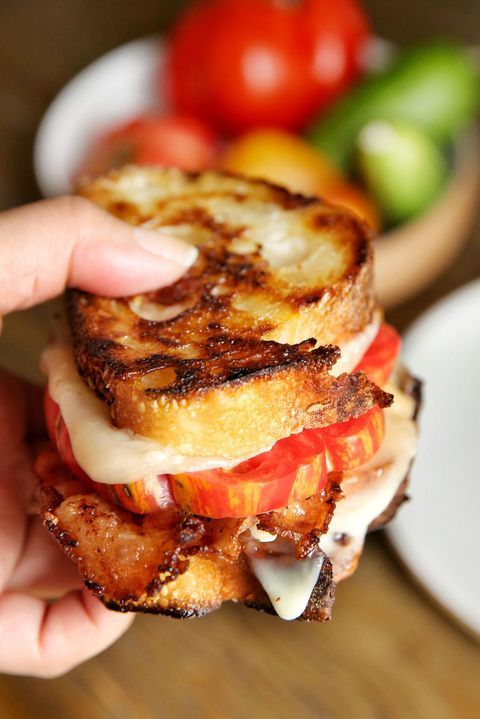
x: 379, y: 360
x: 171, y: 140
x: 245, y: 63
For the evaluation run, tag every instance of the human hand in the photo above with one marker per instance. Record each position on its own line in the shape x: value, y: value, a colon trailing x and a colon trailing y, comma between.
x: 44, y: 248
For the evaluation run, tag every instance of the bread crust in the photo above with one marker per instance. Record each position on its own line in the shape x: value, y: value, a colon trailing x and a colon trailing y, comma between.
x: 247, y: 354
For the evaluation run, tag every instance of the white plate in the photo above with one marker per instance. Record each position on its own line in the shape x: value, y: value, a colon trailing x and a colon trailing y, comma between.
x: 117, y: 87
x: 437, y: 534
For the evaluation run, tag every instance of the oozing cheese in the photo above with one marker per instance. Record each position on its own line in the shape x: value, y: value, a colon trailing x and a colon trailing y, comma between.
x: 117, y: 456
x: 287, y: 581
x: 369, y: 491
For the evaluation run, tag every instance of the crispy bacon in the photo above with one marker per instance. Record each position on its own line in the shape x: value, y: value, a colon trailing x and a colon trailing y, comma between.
x: 169, y: 562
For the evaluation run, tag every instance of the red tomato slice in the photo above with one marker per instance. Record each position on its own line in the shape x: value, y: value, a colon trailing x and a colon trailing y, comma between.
x: 293, y: 469
x: 380, y: 358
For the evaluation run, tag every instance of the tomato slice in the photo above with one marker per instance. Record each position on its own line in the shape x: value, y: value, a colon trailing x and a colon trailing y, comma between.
x: 295, y: 468
x: 290, y: 470
x: 380, y: 358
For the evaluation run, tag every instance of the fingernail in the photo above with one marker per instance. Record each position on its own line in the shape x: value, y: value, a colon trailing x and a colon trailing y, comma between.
x: 166, y: 246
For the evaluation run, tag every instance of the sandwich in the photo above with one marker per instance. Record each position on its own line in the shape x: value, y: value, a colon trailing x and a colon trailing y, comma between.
x: 232, y: 437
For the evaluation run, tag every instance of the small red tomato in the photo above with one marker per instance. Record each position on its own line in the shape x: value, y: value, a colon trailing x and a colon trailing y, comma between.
x: 246, y: 63
x: 167, y: 140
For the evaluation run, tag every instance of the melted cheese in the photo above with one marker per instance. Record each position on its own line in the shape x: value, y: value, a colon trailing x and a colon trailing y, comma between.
x: 288, y: 582
x: 353, y: 349
x: 260, y: 535
x: 107, y: 454
x: 367, y: 493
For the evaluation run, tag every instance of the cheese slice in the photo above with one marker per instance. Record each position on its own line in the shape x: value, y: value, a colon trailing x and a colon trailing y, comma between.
x: 105, y: 453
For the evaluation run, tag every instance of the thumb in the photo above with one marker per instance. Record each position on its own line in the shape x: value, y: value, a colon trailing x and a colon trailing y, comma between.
x: 68, y: 242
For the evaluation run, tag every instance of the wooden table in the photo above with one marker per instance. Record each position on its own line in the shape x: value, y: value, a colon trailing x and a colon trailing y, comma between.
x: 389, y: 653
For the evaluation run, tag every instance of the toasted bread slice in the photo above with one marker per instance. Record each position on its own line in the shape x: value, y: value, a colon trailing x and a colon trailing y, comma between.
x: 225, y: 362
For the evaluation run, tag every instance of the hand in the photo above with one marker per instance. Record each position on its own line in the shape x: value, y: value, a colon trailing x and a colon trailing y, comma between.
x: 44, y: 248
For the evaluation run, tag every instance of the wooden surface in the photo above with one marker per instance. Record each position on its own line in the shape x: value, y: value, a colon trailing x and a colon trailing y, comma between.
x: 389, y: 653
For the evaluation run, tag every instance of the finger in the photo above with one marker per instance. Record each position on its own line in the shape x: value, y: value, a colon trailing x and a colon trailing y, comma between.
x: 43, y: 570
x: 16, y: 478
x: 49, y: 245
x: 47, y: 640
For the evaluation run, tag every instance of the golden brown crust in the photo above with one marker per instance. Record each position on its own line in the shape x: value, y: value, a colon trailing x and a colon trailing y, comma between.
x: 237, y: 360
x: 171, y: 563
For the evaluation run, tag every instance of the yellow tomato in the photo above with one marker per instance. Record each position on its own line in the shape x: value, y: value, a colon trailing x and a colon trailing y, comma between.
x: 282, y: 158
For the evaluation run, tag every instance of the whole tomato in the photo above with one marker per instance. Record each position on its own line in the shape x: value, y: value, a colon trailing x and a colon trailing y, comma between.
x: 282, y: 158
x: 245, y: 63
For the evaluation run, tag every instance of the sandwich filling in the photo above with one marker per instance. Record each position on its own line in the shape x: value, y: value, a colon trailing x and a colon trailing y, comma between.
x: 108, y: 455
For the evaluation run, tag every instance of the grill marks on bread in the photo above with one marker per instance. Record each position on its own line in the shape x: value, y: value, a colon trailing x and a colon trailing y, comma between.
x: 280, y: 280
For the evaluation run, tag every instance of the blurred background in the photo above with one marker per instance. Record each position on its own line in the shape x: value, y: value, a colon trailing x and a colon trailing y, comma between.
x: 390, y: 651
